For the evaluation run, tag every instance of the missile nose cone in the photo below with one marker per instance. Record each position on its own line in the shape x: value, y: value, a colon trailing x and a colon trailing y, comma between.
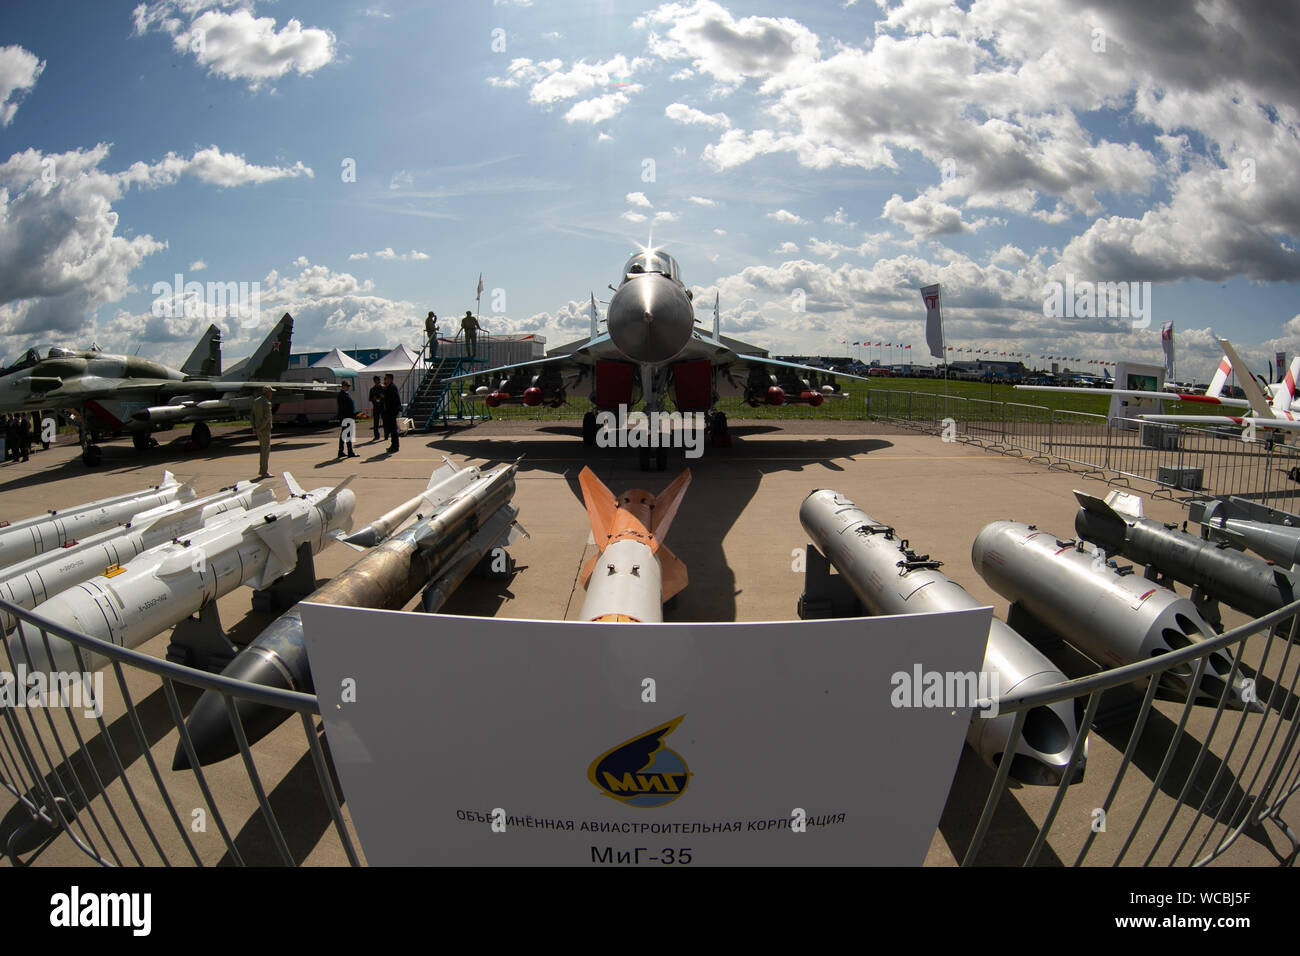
x: 209, y: 723
x: 650, y: 319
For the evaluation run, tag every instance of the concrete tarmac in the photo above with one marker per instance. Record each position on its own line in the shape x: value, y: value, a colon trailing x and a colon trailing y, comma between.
x: 738, y: 533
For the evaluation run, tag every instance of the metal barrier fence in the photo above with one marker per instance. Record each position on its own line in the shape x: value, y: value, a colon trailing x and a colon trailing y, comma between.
x: 1213, y: 794
x: 83, y: 767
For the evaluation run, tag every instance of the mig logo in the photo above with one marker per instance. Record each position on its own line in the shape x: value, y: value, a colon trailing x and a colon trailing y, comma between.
x: 642, y: 772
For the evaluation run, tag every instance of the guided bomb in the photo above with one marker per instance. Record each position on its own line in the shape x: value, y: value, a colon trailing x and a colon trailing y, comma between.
x: 890, y: 579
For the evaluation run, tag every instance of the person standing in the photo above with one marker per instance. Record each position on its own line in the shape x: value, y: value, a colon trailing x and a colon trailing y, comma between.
x: 431, y: 333
x: 377, y: 408
x: 469, y: 325
x: 260, y: 416
x: 24, y: 437
x: 347, y: 420
x: 392, y: 407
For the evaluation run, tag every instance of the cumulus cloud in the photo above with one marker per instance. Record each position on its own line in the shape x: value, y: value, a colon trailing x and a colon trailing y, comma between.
x: 701, y: 201
x: 237, y: 44
x: 19, y: 69
x: 638, y: 199
x: 213, y: 166
x: 631, y: 216
x: 598, y: 109
x: 198, y: 265
x: 388, y: 255
x: 785, y: 216
x: 681, y: 113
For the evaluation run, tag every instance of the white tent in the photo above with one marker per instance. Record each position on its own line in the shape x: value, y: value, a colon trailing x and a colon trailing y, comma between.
x: 399, y: 362
x: 337, y: 359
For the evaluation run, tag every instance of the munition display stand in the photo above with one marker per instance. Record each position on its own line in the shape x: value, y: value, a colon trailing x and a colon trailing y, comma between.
x: 200, y: 641
x: 825, y: 593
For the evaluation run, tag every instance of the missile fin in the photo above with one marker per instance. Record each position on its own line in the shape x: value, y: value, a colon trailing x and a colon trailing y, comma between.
x: 336, y: 489
x: 602, y: 506
x: 667, y: 503
x: 516, y: 532
x: 1126, y: 504
x: 169, y: 481
x: 442, y: 473
x: 295, y: 489
x: 278, y: 536
x: 585, y: 575
x: 673, y: 575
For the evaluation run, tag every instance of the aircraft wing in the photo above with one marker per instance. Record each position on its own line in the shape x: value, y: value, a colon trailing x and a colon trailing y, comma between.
x: 1136, y: 393
x: 571, y: 362
x: 750, y: 361
x: 1285, y: 424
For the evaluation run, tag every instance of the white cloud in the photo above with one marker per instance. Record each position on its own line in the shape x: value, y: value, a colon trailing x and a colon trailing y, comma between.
x: 583, y: 77
x: 786, y: 248
x: 357, y: 255
x: 665, y: 216
x: 701, y: 201
x: 599, y: 109
x: 18, y: 72
x: 633, y: 216
x: 926, y: 217
x: 680, y: 113
x: 638, y: 199
x: 784, y: 215
x: 388, y: 255
x: 301, y: 262
x: 198, y: 265
x: 719, y: 232
x: 238, y: 45
x: 213, y: 166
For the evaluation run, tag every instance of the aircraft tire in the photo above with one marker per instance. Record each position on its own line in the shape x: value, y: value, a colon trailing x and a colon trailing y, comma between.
x: 589, y: 428
x: 201, y: 434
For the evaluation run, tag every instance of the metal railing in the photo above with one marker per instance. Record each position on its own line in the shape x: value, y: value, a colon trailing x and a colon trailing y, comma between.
x: 74, y: 774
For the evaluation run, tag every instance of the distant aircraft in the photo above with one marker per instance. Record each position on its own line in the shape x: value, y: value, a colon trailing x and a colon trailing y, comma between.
x: 129, y: 393
x: 1271, y: 406
x: 652, y: 349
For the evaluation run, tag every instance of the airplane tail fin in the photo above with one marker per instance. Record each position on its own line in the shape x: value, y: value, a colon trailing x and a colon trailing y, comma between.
x: 1285, y: 394
x: 1259, y: 404
x: 205, y: 360
x: 270, y: 360
x: 595, y: 317
x: 1220, y: 378
x: 717, y: 321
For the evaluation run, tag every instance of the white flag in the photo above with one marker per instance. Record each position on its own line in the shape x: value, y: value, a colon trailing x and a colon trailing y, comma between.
x: 480, y: 285
x: 1167, y: 340
x: 933, y: 320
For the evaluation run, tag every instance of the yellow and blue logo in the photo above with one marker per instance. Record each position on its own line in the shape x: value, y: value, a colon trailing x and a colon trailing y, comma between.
x: 642, y: 772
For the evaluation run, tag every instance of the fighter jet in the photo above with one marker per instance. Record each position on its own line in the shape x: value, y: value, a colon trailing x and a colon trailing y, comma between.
x: 129, y: 393
x: 652, y: 348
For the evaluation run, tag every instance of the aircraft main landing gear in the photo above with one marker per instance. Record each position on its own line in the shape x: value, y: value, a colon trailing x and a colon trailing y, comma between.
x: 201, y: 435
x: 660, y: 459
x: 589, y: 428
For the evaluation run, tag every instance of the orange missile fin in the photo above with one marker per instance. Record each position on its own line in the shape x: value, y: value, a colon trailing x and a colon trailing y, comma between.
x: 667, y: 503
x: 673, y: 576
x: 602, y: 506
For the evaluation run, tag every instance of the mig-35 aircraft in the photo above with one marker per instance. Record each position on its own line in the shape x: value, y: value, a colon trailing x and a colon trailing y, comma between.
x: 651, y: 349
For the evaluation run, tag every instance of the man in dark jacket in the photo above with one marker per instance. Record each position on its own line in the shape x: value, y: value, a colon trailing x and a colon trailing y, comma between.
x: 392, y: 407
x: 347, y: 420
x: 24, y: 436
x: 377, y: 408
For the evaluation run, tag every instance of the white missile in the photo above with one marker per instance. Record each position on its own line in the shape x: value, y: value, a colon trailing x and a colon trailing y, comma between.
x: 444, y: 484
x: 164, y: 585
x: 32, y: 536
x: 29, y: 583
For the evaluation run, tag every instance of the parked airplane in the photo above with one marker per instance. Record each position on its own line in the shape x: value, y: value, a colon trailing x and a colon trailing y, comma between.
x: 652, y: 349
x: 129, y: 393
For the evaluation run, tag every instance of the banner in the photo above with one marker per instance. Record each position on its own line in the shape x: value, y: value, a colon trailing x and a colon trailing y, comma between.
x: 1167, y: 340
x: 933, y: 321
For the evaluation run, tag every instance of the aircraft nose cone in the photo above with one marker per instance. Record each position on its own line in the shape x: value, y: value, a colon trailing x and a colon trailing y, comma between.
x: 650, y: 319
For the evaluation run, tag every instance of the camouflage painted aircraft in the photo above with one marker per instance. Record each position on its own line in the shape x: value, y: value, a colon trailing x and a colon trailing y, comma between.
x: 138, y: 395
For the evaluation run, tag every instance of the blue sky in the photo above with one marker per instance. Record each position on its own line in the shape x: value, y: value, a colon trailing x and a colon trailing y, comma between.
x: 852, y: 152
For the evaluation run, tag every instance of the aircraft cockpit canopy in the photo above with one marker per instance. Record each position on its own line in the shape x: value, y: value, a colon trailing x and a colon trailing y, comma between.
x: 28, y: 358
x: 652, y: 260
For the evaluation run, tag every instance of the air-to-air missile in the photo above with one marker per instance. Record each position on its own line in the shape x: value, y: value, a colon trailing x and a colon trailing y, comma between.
x: 444, y: 484
x: 890, y: 579
x: 38, y: 579
x: 1112, y: 615
x: 163, y: 586
x: 1274, y: 542
x: 32, y: 536
x: 1243, y: 581
x: 443, y: 548
x: 632, y: 574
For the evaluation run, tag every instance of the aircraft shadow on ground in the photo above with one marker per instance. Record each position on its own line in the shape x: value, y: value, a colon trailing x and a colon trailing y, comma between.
x: 705, y: 518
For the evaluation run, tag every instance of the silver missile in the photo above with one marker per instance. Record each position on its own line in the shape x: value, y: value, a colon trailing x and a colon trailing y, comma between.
x: 443, y: 485
x: 890, y: 579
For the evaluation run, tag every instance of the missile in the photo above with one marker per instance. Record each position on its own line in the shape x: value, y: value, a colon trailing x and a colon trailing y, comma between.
x: 1239, y: 580
x: 1274, y: 542
x: 890, y: 579
x: 443, y: 485
x: 38, y: 579
x: 32, y: 536
x: 161, y: 414
x: 632, y: 573
x: 161, y: 587
x: 445, y: 545
x: 1109, y: 613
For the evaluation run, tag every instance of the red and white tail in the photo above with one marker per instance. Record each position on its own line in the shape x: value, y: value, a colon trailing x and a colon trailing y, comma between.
x: 1285, y: 393
x: 1220, y: 378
